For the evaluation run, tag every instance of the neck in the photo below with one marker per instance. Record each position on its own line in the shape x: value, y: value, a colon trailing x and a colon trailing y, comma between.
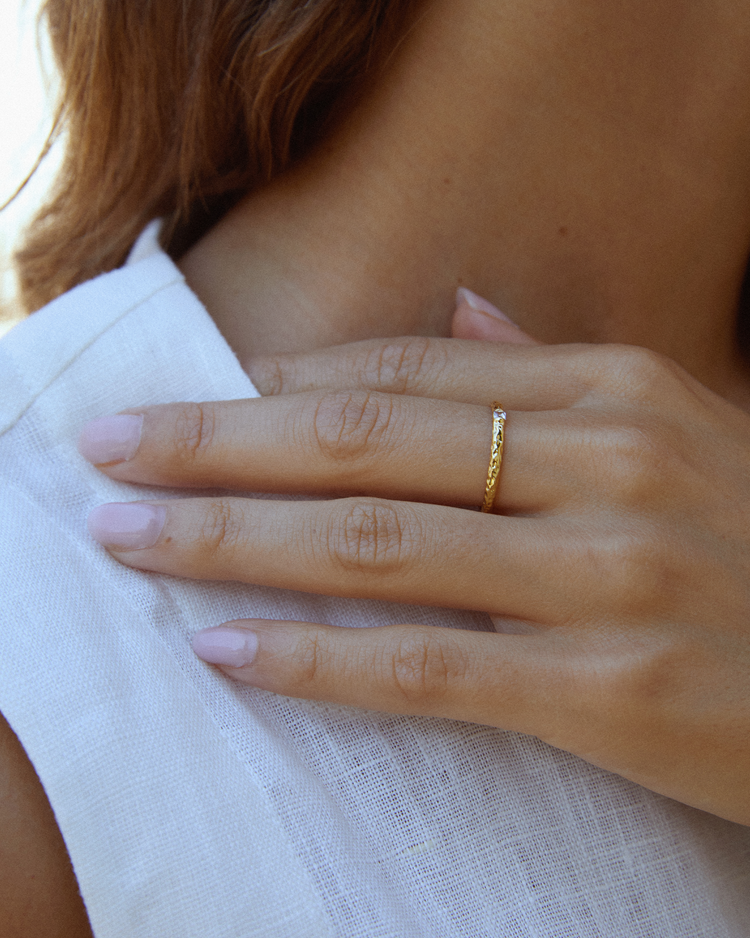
x: 585, y: 169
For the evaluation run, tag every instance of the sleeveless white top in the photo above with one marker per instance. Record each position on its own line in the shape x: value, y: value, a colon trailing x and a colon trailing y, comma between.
x: 193, y: 807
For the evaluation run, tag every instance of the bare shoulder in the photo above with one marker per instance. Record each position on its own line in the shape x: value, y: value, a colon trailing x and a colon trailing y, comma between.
x: 39, y: 895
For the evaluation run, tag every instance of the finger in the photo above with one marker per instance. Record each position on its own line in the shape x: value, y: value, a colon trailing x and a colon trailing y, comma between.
x: 476, y: 318
x: 523, y: 377
x: 586, y: 700
x: 362, y: 547
x: 339, y: 443
x: 325, y: 443
x: 515, y: 682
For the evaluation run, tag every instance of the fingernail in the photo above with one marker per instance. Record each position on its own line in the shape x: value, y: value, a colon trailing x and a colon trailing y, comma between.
x: 111, y: 439
x: 127, y: 525
x: 234, y: 648
x: 477, y: 302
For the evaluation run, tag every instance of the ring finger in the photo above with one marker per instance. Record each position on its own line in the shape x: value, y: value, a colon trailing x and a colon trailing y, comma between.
x: 344, y: 443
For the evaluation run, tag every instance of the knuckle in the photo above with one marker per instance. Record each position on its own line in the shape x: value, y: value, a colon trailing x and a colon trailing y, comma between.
x: 194, y: 431
x: 645, y: 676
x: 636, y: 462
x: 636, y: 571
x: 308, y: 655
x: 221, y: 531
x: 633, y: 372
x: 399, y: 366
x: 424, y: 667
x: 626, y: 676
x: 369, y: 536
x: 268, y: 374
x: 352, y: 424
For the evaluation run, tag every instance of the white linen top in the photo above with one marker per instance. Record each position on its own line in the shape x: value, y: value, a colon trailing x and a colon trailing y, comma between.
x: 193, y: 807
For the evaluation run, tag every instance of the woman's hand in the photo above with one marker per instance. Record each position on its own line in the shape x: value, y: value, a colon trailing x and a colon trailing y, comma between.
x: 617, y: 565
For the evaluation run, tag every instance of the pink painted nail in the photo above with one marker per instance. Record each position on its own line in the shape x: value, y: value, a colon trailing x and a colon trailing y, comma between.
x: 111, y: 439
x: 233, y: 648
x: 477, y: 302
x: 127, y: 525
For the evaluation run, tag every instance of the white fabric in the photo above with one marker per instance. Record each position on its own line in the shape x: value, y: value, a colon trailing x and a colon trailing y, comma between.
x: 194, y: 807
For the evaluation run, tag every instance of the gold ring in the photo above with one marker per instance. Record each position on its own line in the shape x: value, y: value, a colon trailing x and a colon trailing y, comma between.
x: 496, y: 456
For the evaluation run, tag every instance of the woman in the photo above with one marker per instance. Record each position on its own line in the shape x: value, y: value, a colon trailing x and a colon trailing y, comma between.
x: 586, y: 169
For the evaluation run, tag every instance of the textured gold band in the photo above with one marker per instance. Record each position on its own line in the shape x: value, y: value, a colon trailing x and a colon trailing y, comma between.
x: 496, y: 456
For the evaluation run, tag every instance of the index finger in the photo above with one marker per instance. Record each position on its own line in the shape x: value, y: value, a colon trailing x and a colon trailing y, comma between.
x: 523, y: 377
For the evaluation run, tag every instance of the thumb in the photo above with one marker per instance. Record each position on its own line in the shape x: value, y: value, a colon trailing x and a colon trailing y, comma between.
x: 477, y: 318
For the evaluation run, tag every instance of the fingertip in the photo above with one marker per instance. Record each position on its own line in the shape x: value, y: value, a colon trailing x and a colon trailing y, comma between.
x: 110, y: 440
x: 125, y: 526
x: 475, y: 301
x: 478, y: 319
x: 226, y: 646
x: 474, y: 324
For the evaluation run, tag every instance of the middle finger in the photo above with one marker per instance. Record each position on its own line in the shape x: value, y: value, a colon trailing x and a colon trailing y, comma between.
x: 521, y: 568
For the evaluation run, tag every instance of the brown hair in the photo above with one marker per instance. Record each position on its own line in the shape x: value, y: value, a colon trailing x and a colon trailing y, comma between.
x: 176, y: 108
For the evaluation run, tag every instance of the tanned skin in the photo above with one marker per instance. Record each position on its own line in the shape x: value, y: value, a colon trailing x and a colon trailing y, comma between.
x: 39, y: 895
x: 584, y: 170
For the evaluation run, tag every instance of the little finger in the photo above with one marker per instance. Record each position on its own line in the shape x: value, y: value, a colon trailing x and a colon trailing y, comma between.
x: 516, y: 682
